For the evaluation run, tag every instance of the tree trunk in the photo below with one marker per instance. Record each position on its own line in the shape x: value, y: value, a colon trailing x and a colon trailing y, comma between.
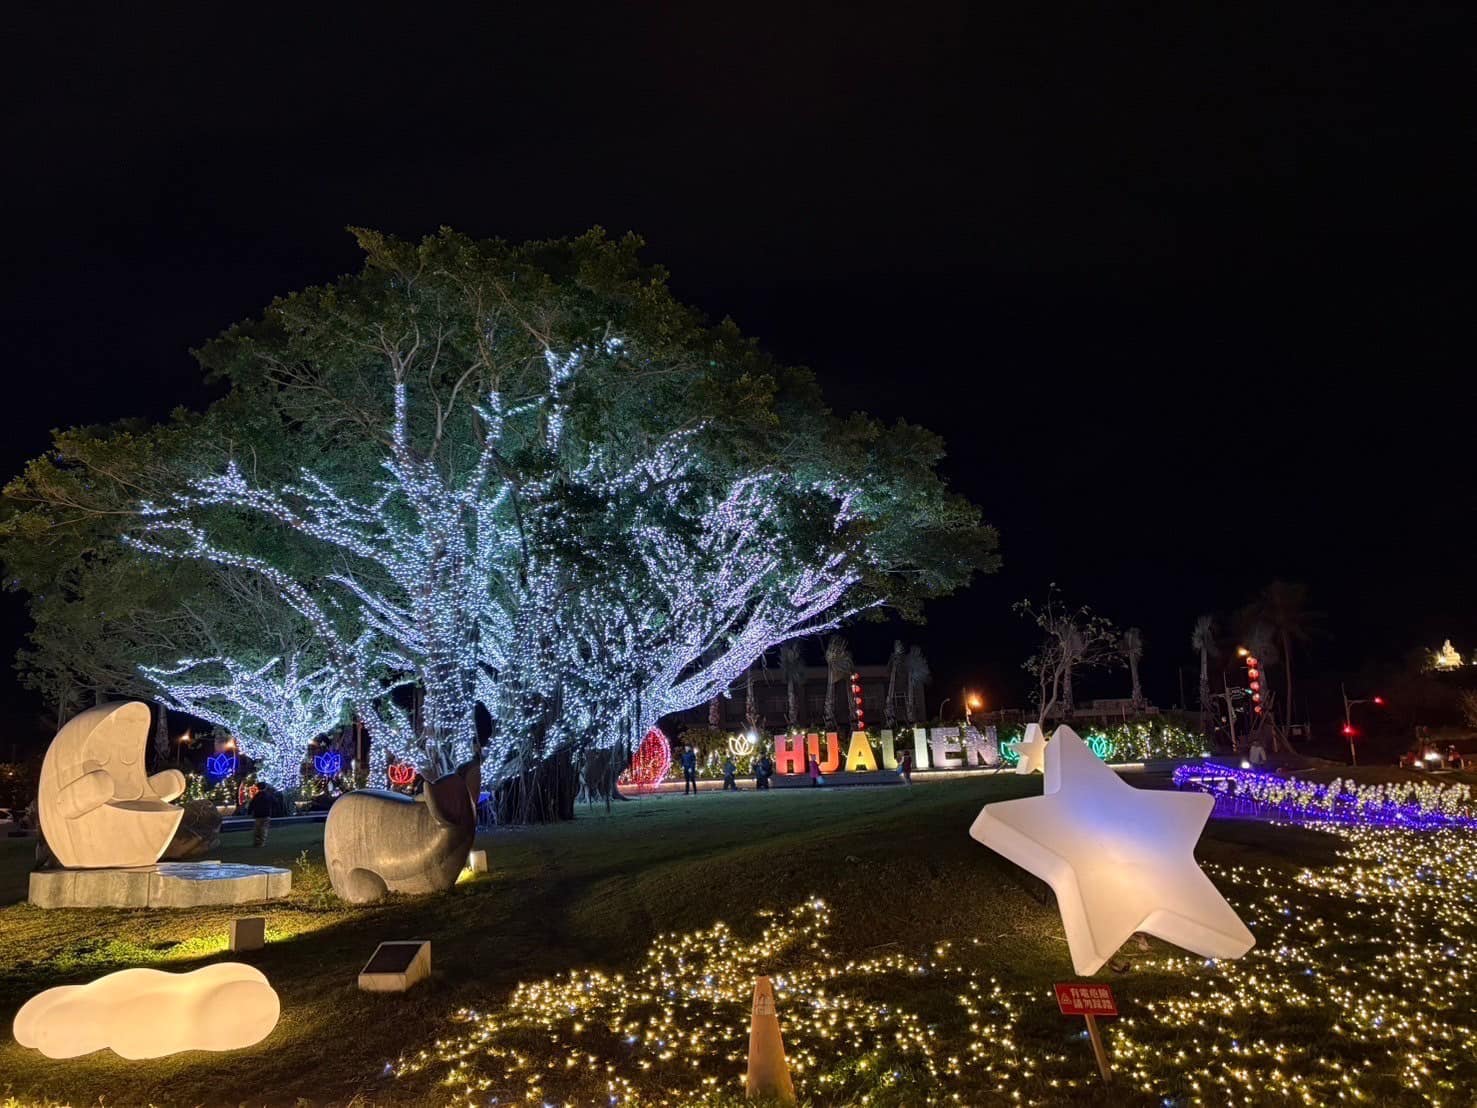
x: 544, y: 794
x: 1068, y: 704
x: 161, y: 734
x: 1287, y: 668
x: 601, y: 773
x: 793, y: 715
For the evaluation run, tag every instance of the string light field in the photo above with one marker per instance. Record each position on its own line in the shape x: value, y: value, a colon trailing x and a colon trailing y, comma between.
x: 1360, y: 990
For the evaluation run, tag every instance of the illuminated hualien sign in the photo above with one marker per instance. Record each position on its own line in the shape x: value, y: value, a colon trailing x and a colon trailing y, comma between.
x: 221, y: 765
x: 329, y: 764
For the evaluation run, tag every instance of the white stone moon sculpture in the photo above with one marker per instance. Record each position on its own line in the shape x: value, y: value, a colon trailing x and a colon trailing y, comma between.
x: 98, y: 809
x: 147, y: 1013
x: 1031, y: 750
x: 1119, y: 859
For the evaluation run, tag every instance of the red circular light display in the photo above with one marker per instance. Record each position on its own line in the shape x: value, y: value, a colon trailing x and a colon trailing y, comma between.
x: 650, y: 763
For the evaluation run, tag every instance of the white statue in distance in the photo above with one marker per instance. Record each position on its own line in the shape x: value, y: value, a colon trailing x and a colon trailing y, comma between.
x: 98, y: 809
x: 1031, y: 750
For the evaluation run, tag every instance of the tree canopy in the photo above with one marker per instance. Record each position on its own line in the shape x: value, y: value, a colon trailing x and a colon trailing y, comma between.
x: 521, y: 475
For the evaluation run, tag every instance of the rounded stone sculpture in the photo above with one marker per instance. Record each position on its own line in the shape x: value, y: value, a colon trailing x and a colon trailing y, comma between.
x: 98, y: 809
x: 147, y: 1013
x: 199, y: 833
x: 378, y: 841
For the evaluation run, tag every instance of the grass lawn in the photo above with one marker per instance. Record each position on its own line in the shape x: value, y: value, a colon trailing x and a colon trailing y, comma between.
x: 912, y: 965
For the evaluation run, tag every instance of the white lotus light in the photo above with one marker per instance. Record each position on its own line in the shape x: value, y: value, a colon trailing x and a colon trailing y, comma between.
x: 1119, y: 859
x: 147, y: 1013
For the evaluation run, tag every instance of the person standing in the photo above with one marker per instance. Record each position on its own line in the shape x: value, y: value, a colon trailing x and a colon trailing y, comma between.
x: 905, y: 767
x: 261, y: 814
x: 728, y: 771
x: 689, y: 771
x: 763, y: 769
x: 814, y: 769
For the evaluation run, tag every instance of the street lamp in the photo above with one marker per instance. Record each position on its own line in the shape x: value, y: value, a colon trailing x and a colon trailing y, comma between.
x: 1349, y: 731
x: 972, y: 703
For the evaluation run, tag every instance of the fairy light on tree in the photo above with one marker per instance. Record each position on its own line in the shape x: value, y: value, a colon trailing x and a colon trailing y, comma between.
x: 521, y: 478
x: 275, y: 710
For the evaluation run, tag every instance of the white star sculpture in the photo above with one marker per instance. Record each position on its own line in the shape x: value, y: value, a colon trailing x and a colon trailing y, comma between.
x: 1119, y: 859
x: 1031, y: 750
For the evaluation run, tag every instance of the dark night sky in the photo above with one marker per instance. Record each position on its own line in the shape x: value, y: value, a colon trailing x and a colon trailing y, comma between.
x: 1187, y: 292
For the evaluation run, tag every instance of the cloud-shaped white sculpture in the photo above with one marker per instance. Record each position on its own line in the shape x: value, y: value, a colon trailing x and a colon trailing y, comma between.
x: 147, y: 1013
x: 98, y: 809
x: 1119, y: 859
x: 1031, y: 750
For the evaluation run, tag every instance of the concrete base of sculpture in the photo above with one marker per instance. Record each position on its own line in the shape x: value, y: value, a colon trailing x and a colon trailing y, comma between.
x: 163, y: 885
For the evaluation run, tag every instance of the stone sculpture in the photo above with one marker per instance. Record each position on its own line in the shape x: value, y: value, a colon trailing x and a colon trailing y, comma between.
x: 378, y: 841
x: 147, y: 1013
x: 97, y: 807
x: 199, y: 833
x: 1119, y: 859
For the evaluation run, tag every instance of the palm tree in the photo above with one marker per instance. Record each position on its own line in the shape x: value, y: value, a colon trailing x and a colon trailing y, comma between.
x: 1202, y: 639
x: 752, y: 719
x: 895, y: 666
x: 792, y: 669
x: 1133, y: 652
x: 838, y: 668
x: 1283, y: 608
x: 918, y: 675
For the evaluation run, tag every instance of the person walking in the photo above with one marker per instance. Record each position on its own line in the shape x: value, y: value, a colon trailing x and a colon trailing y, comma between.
x: 814, y: 769
x: 905, y: 767
x: 689, y: 771
x: 261, y: 814
x: 728, y: 771
x: 763, y: 770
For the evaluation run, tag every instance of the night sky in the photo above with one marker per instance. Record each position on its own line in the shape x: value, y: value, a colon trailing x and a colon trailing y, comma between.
x: 1188, y: 294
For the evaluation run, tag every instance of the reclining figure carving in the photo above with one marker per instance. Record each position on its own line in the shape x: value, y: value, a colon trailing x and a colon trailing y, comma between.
x: 377, y: 841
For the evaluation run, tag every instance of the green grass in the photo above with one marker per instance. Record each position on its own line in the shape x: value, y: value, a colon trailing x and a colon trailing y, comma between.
x: 900, y: 875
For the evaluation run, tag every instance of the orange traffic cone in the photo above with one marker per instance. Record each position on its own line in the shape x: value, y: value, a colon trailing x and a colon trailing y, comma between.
x: 769, y: 1074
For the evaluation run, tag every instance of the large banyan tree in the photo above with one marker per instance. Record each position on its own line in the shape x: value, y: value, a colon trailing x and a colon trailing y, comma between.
x: 520, y: 477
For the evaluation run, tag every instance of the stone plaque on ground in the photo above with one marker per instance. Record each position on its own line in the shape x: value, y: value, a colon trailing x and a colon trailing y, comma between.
x: 396, y: 966
x: 248, y: 933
